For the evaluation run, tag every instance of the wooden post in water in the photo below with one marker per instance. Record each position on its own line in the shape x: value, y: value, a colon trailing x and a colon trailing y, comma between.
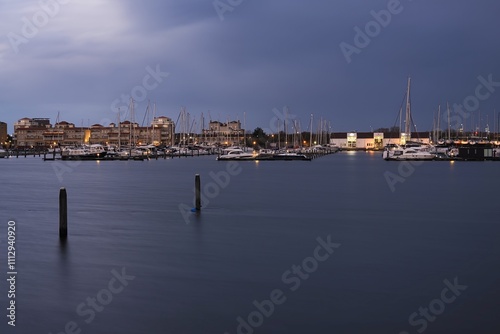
x: 63, y: 213
x: 197, y: 185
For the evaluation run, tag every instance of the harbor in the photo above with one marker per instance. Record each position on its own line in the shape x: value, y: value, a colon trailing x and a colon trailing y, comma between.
x: 253, y: 226
x: 249, y: 167
x: 221, y: 154
x: 466, y: 151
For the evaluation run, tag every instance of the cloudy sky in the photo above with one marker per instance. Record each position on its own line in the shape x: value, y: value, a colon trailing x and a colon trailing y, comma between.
x: 242, y: 59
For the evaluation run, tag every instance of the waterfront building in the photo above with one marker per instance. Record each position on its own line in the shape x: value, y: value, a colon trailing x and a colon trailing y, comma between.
x: 224, y: 133
x: 30, y: 133
x: 374, y: 140
x: 3, y: 134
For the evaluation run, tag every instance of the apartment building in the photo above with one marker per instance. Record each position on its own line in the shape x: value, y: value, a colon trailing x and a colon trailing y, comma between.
x: 39, y: 132
x: 3, y: 134
x: 229, y: 133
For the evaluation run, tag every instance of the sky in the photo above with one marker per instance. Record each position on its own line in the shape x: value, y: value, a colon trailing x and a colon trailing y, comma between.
x: 259, y: 61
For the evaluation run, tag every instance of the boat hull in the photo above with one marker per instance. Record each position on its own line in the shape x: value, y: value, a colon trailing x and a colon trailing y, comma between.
x: 235, y: 158
x: 420, y: 156
x: 89, y: 156
x: 290, y: 157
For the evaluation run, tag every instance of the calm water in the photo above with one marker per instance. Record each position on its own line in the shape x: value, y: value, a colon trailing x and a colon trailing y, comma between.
x: 198, y: 274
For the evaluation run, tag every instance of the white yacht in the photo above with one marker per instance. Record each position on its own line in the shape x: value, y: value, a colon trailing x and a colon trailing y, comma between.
x: 411, y: 150
x: 407, y: 153
x: 235, y: 154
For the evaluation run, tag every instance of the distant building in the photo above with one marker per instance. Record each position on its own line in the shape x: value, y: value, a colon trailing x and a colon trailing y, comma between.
x: 40, y: 133
x: 3, y: 134
x: 163, y: 131
x: 29, y: 132
x: 374, y: 140
x: 230, y: 132
x: 229, y: 128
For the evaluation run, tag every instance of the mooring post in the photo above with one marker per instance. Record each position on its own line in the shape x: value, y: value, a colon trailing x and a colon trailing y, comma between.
x: 63, y: 213
x: 197, y: 184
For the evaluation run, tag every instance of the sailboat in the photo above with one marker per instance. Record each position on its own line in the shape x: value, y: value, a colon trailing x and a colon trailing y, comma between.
x: 409, y: 150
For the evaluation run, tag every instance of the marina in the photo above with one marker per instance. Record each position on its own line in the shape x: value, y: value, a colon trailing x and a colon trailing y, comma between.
x: 98, y: 152
x: 392, y: 152
x: 250, y: 167
x: 245, y: 237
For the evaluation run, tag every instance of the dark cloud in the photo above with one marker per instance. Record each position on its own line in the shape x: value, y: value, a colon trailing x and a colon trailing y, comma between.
x: 263, y: 55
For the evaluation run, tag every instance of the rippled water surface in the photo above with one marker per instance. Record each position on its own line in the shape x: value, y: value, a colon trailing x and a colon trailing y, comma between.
x: 396, y: 249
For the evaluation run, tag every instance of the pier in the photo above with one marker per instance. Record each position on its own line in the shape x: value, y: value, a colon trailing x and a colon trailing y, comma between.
x: 53, y: 154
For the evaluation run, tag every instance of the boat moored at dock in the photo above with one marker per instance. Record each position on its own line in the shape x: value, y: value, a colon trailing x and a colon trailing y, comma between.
x: 235, y: 153
x: 291, y: 156
x: 407, y: 153
x: 85, y: 152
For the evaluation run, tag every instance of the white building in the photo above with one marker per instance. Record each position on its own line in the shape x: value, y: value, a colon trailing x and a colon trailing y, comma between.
x: 374, y: 140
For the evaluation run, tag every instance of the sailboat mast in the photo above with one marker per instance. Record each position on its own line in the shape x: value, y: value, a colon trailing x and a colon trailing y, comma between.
x: 434, y: 128
x: 321, y: 131
x: 202, y: 128
x: 279, y: 126
x: 401, y: 121
x: 152, y: 126
x: 408, y: 111
x: 311, y: 131
x: 285, y: 128
x: 439, y: 123
x: 119, y: 130
x: 448, y: 111
x: 132, y: 117
x: 146, y: 118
